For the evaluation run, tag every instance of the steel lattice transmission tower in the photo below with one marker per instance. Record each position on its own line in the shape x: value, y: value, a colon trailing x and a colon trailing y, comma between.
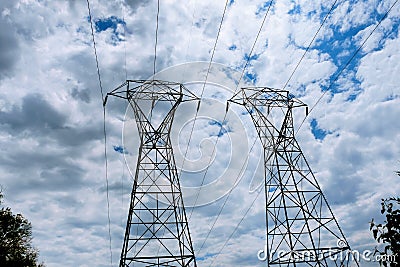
x: 300, y: 226
x: 157, y: 231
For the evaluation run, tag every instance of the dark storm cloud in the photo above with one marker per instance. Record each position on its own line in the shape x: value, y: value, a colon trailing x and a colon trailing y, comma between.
x: 82, y: 95
x: 37, y: 117
x: 34, y: 114
x: 78, y: 135
x: 342, y: 189
x: 76, y: 221
x: 9, y: 48
x: 59, y: 178
x: 83, y: 66
x: 33, y: 159
x: 40, y: 170
x: 118, y: 187
x: 72, y: 3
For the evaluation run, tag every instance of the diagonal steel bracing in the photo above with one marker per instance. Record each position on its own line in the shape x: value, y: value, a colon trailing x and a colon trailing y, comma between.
x: 301, y: 228
x: 157, y: 231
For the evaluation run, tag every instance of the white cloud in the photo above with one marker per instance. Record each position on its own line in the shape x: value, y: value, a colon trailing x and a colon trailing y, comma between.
x: 51, y: 115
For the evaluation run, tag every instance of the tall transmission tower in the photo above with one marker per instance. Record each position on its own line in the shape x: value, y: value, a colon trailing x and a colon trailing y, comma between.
x: 300, y: 226
x: 157, y: 231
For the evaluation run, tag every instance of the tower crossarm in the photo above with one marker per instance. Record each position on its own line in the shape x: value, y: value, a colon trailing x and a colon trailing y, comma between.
x: 151, y: 90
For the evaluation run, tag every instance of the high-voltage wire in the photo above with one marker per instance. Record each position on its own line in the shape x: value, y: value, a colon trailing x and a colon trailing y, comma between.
x: 288, y: 168
x: 202, y: 91
x: 189, y: 42
x: 123, y: 19
x: 156, y: 42
x: 309, y: 45
x: 126, y: 78
x: 340, y: 72
x: 104, y: 129
x: 228, y: 195
x: 209, y: 68
x: 254, y: 45
x: 95, y: 51
x: 237, y: 227
x: 226, y: 112
x: 347, y: 63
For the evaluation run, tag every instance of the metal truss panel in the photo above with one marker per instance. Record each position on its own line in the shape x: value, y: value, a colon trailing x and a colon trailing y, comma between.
x: 157, y: 231
x: 301, y: 228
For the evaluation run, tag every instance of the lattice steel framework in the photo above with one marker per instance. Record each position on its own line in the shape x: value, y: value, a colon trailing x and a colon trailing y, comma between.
x: 157, y: 231
x: 300, y: 226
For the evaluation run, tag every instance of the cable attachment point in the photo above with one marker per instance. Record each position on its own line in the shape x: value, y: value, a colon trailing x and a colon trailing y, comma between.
x: 105, y: 100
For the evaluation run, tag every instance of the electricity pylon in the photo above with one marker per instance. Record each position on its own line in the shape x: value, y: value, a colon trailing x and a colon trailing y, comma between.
x: 157, y: 231
x: 300, y: 226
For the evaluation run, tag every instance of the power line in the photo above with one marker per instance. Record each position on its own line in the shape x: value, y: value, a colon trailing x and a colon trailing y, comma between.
x: 309, y: 45
x: 337, y: 76
x: 95, y: 50
x: 104, y: 131
x: 254, y: 44
x: 156, y: 42
x: 228, y: 195
x: 189, y: 40
x: 226, y: 112
x: 237, y: 227
x: 124, y: 25
x: 347, y: 64
x: 202, y: 92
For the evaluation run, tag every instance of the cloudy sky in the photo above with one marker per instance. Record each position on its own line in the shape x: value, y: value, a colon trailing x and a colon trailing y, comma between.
x: 51, y: 122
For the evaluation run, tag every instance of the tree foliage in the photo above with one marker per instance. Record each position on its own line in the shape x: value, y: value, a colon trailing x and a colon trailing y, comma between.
x: 15, y: 240
x: 388, y: 233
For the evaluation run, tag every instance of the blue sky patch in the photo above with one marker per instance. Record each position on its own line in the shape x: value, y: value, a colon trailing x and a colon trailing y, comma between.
x: 217, y: 95
x: 353, y: 96
x: 263, y: 8
x: 249, y: 58
x: 206, y: 256
x: 110, y: 23
x: 232, y: 47
x: 120, y: 149
x: 222, y: 128
x: 391, y: 97
x: 250, y: 77
x: 295, y: 10
x: 251, y: 111
x: 341, y: 46
x: 318, y: 133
